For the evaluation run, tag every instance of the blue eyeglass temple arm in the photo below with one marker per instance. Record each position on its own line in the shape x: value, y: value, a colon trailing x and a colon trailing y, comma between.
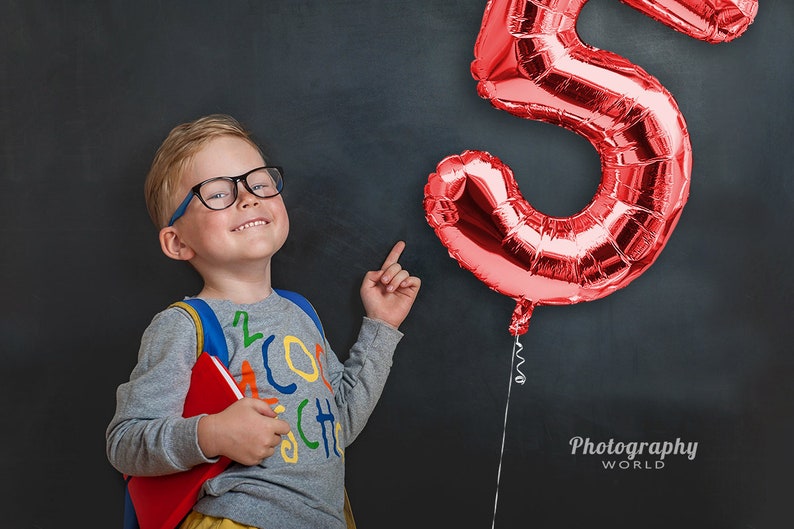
x: 181, y: 209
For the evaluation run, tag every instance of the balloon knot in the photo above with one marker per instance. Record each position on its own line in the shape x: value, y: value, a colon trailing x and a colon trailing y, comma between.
x: 519, y: 322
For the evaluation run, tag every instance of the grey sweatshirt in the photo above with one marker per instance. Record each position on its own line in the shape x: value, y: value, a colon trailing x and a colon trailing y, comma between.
x: 275, y: 347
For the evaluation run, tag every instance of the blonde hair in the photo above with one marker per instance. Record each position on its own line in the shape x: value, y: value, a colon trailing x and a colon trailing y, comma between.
x: 175, y: 154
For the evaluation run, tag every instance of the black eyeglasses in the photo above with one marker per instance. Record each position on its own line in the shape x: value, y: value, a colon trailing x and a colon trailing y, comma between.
x: 221, y: 192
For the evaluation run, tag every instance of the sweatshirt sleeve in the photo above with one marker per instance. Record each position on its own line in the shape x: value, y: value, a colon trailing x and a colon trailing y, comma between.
x: 147, y: 434
x: 358, y: 383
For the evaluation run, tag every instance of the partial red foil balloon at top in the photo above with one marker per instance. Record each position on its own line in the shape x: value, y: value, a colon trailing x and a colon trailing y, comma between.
x: 530, y: 61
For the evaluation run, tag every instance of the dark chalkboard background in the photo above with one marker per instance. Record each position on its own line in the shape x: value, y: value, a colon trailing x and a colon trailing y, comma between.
x: 360, y: 100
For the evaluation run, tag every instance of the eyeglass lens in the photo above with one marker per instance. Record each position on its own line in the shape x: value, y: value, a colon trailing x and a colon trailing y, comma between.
x: 220, y: 193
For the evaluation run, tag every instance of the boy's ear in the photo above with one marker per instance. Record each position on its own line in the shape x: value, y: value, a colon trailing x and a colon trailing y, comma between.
x: 172, y: 245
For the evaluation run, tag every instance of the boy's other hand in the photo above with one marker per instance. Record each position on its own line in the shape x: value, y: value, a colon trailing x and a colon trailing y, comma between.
x: 389, y: 293
x: 248, y: 431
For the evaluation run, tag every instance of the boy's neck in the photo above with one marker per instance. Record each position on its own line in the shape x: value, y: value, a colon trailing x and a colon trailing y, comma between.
x: 237, y: 290
x: 243, y: 283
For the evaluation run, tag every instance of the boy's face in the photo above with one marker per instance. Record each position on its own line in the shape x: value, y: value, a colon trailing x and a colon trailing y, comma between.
x: 251, y: 230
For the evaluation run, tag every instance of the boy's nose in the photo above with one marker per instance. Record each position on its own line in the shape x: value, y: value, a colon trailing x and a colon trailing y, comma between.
x: 245, y: 197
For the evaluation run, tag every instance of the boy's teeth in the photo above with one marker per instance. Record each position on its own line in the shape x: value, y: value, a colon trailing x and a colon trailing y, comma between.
x: 251, y: 224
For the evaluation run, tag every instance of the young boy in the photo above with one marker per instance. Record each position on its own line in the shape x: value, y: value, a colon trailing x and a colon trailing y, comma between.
x: 218, y: 207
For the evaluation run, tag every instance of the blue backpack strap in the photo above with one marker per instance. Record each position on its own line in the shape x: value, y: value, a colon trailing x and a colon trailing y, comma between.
x: 304, y: 304
x: 130, y: 516
x: 209, y: 333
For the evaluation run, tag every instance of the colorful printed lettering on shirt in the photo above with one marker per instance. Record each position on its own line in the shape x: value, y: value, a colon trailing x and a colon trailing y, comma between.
x: 291, y: 379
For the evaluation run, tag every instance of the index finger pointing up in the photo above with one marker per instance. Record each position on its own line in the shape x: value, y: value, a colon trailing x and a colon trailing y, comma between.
x: 394, y: 255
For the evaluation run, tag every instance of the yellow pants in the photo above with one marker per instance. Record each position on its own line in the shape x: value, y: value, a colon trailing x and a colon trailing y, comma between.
x: 196, y: 520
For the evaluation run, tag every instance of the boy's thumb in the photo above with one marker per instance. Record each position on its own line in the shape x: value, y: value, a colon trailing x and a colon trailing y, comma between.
x: 264, y: 408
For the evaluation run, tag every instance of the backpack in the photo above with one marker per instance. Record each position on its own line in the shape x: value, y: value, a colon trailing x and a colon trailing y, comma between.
x: 209, y: 337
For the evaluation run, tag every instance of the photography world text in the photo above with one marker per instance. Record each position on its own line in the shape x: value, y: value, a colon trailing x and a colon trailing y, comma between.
x: 636, y: 455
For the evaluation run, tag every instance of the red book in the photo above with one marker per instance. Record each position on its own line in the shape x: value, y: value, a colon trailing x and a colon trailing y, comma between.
x: 161, y: 502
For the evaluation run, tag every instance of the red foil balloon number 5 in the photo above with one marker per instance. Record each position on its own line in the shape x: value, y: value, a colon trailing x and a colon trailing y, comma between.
x: 530, y: 61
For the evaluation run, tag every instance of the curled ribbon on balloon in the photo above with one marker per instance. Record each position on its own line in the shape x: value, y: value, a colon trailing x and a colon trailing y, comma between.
x: 530, y: 61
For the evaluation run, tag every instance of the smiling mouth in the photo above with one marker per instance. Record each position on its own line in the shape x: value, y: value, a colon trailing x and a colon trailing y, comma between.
x: 252, y: 224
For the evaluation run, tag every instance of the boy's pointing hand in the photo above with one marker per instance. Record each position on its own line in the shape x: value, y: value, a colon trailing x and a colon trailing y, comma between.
x: 389, y: 293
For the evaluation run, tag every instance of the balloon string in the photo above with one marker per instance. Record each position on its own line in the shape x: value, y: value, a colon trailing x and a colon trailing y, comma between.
x: 517, y: 348
x: 520, y: 379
